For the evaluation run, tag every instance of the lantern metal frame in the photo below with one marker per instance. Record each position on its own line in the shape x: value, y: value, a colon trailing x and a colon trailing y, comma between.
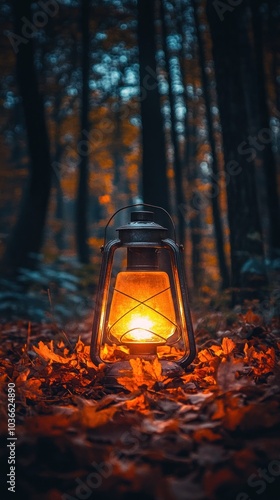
x: 146, y: 235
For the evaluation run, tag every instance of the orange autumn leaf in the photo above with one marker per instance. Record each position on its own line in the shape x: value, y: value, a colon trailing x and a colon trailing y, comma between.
x: 210, y: 380
x: 171, y: 352
x: 48, y: 355
x: 28, y: 387
x: 22, y: 377
x: 262, y: 361
x: 206, y: 435
x: 133, y: 379
x: 249, y: 352
x: 219, y: 411
x: 235, y: 412
x: 228, y: 345
x: 252, y: 318
x: 113, y: 352
x: 90, y: 416
x: 226, y: 348
x: 137, y: 370
x: 138, y: 403
x: 154, y: 369
x: 127, y: 382
x: 32, y: 389
x: 83, y: 355
x: 205, y: 356
x: 143, y: 373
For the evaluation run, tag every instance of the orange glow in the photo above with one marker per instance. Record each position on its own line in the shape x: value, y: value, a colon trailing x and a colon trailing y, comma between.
x: 104, y: 199
x: 142, y: 308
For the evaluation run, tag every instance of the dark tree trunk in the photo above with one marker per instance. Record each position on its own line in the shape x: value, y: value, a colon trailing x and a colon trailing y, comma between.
x: 182, y: 61
x: 57, y: 174
x: 266, y: 152
x: 122, y: 190
x: 84, y: 144
x: 154, y: 165
x: 59, y: 209
x: 218, y: 228
x: 244, y: 222
x: 192, y: 220
x: 117, y: 146
x: 27, y: 236
x: 195, y: 219
x: 196, y: 230
x: 274, y: 43
x: 180, y: 198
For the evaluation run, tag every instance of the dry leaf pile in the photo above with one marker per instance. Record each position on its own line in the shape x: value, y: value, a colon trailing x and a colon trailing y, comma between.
x: 211, y: 433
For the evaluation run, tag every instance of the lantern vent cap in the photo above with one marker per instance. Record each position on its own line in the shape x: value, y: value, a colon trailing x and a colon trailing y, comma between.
x: 142, y: 216
x: 141, y: 220
x: 142, y: 231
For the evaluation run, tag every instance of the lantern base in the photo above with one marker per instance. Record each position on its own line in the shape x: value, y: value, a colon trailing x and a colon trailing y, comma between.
x: 142, y: 349
x: 170, y: 369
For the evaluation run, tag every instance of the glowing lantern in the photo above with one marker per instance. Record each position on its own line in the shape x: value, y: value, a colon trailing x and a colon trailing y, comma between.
x: 143, y: 310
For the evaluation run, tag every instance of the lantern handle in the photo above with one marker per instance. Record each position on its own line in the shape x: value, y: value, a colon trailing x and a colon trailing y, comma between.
x: 140, y: 205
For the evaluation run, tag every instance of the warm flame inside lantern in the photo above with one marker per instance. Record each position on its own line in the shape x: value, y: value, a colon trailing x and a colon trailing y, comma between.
x: 144, y: 307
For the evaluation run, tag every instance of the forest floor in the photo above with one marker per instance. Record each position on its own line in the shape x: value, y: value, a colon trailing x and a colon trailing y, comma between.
x: 211, y: 433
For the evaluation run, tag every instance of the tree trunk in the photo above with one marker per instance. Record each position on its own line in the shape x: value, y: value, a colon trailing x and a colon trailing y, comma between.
x: 27, y: 236
x: 180, y: 198
x: 218, y: 228
x: 195, y: 218
x: 182, y: 60
x: 57, y: 173
x: 266, y: 152
x: 243, y: 215
x: 154, y: 166
x: 59, y: 209
x: 84, y: 144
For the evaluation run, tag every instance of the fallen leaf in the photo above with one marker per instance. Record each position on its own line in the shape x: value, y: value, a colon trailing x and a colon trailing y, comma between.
x: 206, y: 435
x: 228, y: 345
x: 225, y: 349
x: 46, y: 353
x: 90, y: 417
x: 252, y: 318
x: 205, y: 355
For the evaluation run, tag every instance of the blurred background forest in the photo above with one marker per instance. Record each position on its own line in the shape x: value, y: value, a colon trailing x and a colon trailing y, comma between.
x: 106, y: 103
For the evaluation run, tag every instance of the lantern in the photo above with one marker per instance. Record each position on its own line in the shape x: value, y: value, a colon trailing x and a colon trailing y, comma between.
x: 142, y: 310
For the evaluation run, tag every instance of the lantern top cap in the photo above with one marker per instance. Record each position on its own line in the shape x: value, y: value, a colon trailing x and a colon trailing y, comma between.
x: 142, y: 216
x: 141, y: 220
x: 142, y: 230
